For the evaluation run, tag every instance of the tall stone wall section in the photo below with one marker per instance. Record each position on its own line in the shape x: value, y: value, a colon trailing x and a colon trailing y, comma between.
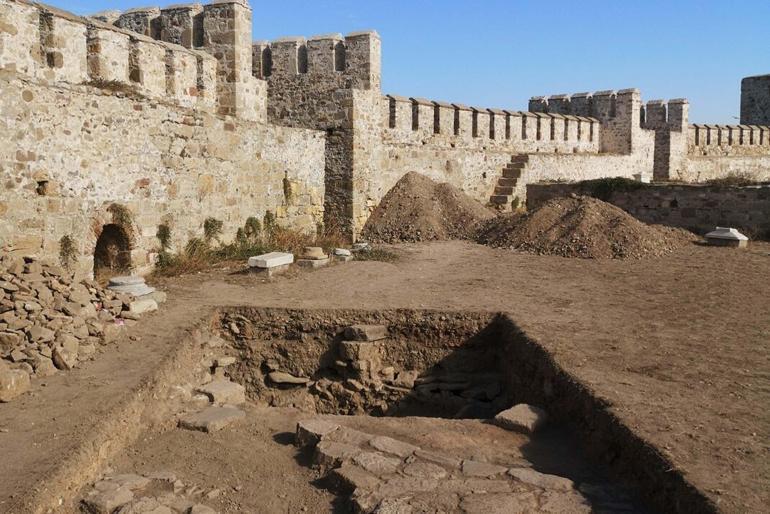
x: 698, y: 208
x: 755, y: 100
x: 95, y: 116
x: 314, y: 83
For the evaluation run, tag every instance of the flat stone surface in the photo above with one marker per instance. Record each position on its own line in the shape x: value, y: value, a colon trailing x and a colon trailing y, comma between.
x: 128, y: 280
x: 532, y: 477
x: 522, y: 418
x: 212, y: 419
x: 377, y: 463
x: 330, y: 454
x: 224, y: 391
x: 366, y: 332
x: 425, y: 470
x: 271, y: 260
x: 390, y: 445
x: 726, y: 233
x: 133, y: 289
x: 481, y: 469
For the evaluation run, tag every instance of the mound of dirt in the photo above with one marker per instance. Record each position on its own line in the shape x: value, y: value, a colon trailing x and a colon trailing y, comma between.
x: 581, y: 226
x: 419, y: 209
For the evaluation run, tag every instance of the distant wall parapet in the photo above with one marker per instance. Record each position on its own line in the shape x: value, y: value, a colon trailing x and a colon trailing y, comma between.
x: 726, y: 140
x: 416, y: 118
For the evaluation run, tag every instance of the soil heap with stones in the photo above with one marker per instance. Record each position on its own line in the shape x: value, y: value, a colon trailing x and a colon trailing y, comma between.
x: 581, y: 226
x: 50, y: 322
x: 419, y: 209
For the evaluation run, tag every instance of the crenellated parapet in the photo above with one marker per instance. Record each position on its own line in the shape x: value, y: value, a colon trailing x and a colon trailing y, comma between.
x: 353, y: 61
x: 412, y: 119
x: 619, y: 113
x: 728, y: 140
x: 44, y: 43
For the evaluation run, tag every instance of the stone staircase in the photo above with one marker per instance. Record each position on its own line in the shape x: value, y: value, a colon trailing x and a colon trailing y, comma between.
x: 505, y: 190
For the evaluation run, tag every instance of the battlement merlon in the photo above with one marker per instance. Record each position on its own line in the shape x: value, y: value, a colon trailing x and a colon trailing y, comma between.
x: 357, y: 57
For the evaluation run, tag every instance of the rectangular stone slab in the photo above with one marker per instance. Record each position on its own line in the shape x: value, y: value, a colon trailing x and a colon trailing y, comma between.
x: 271, y: 260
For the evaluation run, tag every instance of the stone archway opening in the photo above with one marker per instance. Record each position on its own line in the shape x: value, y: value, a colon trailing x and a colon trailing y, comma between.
x: 112, y: 255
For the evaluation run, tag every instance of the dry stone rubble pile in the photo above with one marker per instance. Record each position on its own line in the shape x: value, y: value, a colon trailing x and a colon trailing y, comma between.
x: 50, y: 321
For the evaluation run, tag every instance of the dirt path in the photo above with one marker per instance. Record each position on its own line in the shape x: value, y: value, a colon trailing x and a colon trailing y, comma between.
x: 677, y: 345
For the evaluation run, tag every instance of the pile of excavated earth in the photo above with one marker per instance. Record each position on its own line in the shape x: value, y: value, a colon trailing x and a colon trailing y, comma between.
x: 582, y: 226
x: 420, y: 209
x: 49, y: 321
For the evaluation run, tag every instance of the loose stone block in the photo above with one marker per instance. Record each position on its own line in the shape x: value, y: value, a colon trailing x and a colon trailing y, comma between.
x: 13, y: 383
x: 313, y: 263
x: 366, y: 332
x: 279, y: 377
x: 724, y: 236
x: 349, y: 477
x: 271, y: 260
x: 224, y: 391
x: 330, y: 454
x: 106, y: 502
x: 311, y: 431
x: 342, y: 252
x: 142, y: 306
x: 522, y: 418
x: 212, y: 419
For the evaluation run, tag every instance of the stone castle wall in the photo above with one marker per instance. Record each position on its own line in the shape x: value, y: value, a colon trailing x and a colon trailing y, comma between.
x: 92, y: 116
x: 176, y: 113
x: 699, y: 208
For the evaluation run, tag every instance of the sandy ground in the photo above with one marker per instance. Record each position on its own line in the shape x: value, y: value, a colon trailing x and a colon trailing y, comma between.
x: 677, y: 345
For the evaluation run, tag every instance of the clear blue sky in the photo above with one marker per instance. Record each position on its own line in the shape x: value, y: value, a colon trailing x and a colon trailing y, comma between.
x: 498, y: 53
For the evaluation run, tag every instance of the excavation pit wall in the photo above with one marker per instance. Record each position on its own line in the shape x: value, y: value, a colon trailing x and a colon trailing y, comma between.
x: 462, y: 364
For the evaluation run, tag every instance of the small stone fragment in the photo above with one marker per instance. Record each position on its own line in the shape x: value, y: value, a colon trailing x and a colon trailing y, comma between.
x: 522, y: 418
x: 142, y: 306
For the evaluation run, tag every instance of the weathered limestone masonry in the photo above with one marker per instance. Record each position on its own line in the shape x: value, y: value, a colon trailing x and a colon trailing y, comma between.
x: 755, y: 100
x: 326, y: 82
x: 695, y: 207
x: 109, y: 133
x: 702, y: 152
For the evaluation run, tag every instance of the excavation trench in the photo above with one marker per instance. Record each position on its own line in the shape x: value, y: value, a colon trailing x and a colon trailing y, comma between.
x: 455, y: 365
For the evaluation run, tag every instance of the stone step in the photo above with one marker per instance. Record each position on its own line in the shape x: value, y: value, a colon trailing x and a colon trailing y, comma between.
x: 520, y: 159
x: 504, y: 181
x: 516, y: 165
x: 507, y: 173
x: 500, y: 199
x: 504, y: 190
